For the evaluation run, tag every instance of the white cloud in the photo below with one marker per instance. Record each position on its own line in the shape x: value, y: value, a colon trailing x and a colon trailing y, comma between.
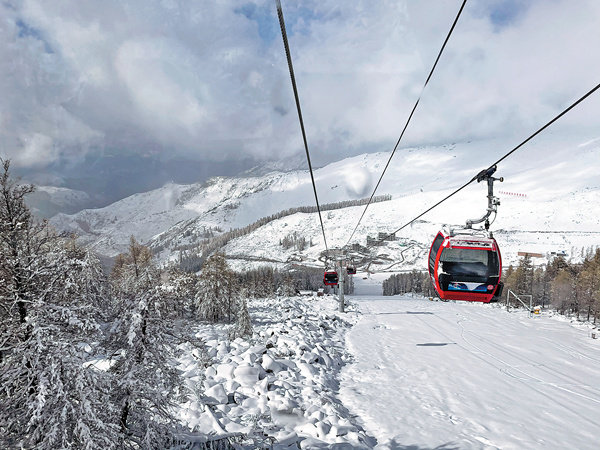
x: 209, y: 79
x: 36, y: 150
x: 163, y: 90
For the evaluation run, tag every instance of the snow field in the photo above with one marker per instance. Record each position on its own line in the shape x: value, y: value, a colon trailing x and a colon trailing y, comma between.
x: 280, y: 387
x: 471, y: 376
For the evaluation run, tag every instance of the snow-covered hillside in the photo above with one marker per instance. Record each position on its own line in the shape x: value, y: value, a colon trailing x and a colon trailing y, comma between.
x: 562, y: 232
x: 47, y: 201
x: 551, y: 186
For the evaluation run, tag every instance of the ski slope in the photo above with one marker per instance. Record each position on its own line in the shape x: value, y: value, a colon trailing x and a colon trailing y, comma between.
x: 470, y: 376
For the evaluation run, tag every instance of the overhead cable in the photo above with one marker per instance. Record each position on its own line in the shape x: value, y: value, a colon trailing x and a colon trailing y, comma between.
x: 409, y: 118
x: 291, y: 68
x: 565, y: 111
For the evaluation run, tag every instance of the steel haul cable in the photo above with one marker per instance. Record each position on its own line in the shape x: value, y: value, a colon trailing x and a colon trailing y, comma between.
x: 409, y: 118
x: 291, y: 68
x: 565, y: 111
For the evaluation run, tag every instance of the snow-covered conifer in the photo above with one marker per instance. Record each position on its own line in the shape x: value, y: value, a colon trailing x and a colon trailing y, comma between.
x: 49, y: 397
x: 217, y: 291
x: 243, y: 324
x: 21, y: 242
x: 287, y: 287
x: 182, y: 287
x: 146, y: 378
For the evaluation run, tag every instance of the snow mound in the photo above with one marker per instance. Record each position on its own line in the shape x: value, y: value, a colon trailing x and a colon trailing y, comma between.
x: 280, y: 387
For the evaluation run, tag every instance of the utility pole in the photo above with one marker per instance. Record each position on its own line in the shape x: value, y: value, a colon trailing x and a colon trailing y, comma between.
x: 341, y: 285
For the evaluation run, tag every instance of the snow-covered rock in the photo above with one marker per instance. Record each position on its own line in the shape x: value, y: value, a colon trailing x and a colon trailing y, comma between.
x: 270, y: 365
x: 287, y: 391
x: 215, y: 395
x: 246, y: 375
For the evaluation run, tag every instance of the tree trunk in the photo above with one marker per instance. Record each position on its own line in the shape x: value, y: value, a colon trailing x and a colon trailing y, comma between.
x: 589, y: 311
x: 124, y: 415
x: 22, y: 311
x: 20, y: 290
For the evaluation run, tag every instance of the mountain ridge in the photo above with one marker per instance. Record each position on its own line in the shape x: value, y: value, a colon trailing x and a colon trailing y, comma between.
x: 561, y: 194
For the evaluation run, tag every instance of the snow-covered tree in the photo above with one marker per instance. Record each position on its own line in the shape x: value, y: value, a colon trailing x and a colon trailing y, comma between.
x: 217, y: 290
x: 182, y: 288
x: 49, y: 397
x: 243, y: 324
x: 147, y: 383
x: 287, y: 287
x: 21, y: 242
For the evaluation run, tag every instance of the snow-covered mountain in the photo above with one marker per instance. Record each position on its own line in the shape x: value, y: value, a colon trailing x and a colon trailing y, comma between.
x: 550, y: 202
x: 47, y: 201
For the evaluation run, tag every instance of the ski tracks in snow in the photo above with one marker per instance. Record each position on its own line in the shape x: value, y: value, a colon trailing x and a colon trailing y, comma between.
x: 567, y: 380
x: 447, y: 375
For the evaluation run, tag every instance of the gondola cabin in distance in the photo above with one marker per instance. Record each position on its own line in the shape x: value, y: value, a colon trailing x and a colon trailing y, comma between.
x: 330, y: 278
x: 466, y: 267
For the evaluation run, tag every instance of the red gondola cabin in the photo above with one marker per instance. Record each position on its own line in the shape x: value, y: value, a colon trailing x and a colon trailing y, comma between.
x: 330, y: 278
x: 466, y: 267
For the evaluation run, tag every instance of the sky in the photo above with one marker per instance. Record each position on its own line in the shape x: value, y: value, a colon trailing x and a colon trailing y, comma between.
x: 116, y: 97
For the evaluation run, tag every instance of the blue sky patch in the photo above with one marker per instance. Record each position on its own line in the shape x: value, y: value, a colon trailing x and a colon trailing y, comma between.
x: 268, y: 27
x: 297, y: 19
x: 506, y: 13
x: 26, y: 31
